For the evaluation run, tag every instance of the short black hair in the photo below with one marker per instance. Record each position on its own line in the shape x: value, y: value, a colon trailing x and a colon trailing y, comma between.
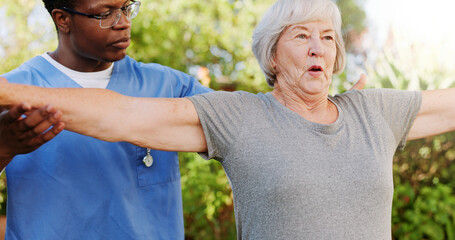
x: 57, y: 4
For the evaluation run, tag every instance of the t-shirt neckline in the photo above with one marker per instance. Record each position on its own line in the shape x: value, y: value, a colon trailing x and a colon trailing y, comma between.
x: 325, y: 128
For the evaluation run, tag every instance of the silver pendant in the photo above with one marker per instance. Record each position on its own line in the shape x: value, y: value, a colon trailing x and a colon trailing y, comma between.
x: 148, y: 159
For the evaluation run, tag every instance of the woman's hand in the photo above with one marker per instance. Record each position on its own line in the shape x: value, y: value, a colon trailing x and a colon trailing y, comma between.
x: 360, y: 84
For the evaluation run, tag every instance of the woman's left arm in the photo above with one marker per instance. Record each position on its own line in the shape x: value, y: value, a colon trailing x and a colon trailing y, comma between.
x: 436, y: 114
x: 169, y: 124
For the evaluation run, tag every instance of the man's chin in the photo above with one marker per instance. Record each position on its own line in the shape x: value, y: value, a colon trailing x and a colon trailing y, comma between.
x: 115, y: 58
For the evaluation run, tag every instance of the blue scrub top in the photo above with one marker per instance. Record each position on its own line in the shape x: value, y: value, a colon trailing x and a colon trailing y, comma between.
x: 78, y: 187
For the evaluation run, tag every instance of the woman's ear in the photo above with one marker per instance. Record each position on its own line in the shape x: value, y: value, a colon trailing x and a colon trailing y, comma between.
x: 273, y: 63
x: 62, y: 20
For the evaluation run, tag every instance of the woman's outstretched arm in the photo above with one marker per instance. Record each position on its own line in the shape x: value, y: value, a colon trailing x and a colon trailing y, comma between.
x: 159, y: 123
x: 436, y: 114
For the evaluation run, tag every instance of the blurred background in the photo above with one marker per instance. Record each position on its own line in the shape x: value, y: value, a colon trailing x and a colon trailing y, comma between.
x: 402, y: 44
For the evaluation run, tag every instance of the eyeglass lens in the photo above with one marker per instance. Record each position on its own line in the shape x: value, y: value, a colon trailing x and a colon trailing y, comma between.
x: 111, y: 18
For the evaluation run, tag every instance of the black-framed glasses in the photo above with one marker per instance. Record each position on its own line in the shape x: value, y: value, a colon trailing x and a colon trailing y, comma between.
x: 111, y: 18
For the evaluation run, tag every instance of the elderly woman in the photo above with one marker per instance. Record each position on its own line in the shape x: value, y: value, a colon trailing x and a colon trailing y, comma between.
x: 302, y: 164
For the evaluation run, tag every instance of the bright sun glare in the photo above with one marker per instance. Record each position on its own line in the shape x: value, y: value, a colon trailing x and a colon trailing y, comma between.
x: 424, y: 27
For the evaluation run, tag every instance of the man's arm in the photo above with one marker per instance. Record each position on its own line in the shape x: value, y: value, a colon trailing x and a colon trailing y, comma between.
x: 19, y: 135
x: 163, y: 124
x: 436, y: 114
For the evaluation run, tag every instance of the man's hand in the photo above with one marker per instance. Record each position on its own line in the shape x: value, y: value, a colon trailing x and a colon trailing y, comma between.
x: 20, y: 135
x: 359, y: 85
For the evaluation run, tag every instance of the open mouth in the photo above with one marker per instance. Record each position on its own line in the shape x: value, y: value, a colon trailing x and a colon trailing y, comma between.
x: 315, y: 68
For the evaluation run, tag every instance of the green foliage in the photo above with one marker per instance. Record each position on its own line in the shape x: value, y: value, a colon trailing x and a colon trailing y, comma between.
x: 352, y: 15
x: 210, y: 33
x: 24, y: 37
x: 3, y: 194
x: 424, y: 201
x: 427, y: 214
x: 207, y: 198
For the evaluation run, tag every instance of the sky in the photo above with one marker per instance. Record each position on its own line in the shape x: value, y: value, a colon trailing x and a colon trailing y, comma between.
x: 423, y: 39
x: 423, y: 20
x: 428, y: 25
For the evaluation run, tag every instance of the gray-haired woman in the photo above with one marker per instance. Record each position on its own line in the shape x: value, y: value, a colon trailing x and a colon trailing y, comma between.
x: 302, y: 164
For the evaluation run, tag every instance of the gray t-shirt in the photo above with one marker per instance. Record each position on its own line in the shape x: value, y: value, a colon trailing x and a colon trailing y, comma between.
x: 296, y: 179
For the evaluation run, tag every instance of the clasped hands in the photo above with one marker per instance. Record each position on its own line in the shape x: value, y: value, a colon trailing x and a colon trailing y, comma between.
x: 24, y: 129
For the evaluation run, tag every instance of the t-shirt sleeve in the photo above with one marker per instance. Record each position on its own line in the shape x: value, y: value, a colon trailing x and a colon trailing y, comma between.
x: 221, y: 115
x: 399, y: 109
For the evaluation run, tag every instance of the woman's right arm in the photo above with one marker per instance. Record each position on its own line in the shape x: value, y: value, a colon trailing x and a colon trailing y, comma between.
x: 159, y: 123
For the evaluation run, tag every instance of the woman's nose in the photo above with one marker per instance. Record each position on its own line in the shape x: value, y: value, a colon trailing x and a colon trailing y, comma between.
x: 316, y: 48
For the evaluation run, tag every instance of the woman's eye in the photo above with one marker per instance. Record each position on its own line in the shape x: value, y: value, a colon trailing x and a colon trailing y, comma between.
x: 302, y: 36
x: 330, y: 38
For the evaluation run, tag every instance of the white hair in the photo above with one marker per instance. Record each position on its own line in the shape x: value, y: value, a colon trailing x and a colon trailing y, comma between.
x: 285, y: 13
